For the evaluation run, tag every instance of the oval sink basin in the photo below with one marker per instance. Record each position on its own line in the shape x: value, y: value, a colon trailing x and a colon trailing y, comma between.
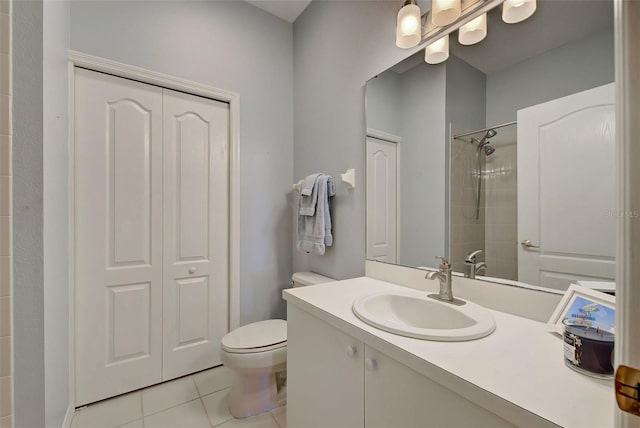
x: 411, y: 313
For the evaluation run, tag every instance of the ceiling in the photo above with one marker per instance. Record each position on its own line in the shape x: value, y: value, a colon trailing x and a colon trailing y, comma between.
x: 288, y: 10
x: 554, y: 24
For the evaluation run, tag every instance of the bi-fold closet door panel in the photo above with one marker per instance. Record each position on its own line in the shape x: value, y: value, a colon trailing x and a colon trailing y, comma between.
x: 196, y: 135
x: 118, y: 235
x: 151, y: 234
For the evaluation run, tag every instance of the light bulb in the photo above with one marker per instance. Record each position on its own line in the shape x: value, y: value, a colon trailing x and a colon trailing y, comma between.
x: 408, y: 26
x: 473, y: 31
x: 437, y: 51
x: 444, y: 12
x: 514, y: 11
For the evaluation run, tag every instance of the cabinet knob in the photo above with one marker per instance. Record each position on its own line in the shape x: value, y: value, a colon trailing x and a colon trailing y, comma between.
x: 192, y: 270
x: 371, y: 363
x: 352, y: 351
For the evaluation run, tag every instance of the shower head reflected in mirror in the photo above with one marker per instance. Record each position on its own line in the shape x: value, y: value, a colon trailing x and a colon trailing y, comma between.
x: 485, y: 140
x: 483, y: 146
x: 488, y: 150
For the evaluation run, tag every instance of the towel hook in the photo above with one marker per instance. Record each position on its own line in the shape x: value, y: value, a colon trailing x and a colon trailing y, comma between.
x: 349, y: 178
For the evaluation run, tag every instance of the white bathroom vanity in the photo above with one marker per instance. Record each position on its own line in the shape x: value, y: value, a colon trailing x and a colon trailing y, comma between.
x: 345, y: 373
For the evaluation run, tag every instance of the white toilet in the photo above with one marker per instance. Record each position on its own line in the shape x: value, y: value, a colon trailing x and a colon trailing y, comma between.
x: 257, y: 354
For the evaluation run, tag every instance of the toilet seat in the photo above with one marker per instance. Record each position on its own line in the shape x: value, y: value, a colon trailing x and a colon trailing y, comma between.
x: 255, y: 350
x: 261, y: 336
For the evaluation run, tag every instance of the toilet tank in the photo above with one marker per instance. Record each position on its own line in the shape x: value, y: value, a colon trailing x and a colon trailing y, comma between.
x: 301, y: 279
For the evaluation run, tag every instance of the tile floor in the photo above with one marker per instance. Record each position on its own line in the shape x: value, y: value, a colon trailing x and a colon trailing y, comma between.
x: 197, y: 401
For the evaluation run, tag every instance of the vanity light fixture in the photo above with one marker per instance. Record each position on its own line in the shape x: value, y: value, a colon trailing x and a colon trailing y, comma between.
x: 437, y: 51
x: 413, y: 28
x: 409, y: 25
x: 473, y: 31
x: 445, y: 12
x: 514, y: 11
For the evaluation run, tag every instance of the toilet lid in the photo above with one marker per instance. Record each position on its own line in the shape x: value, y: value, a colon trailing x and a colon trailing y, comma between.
x: 259, y: 334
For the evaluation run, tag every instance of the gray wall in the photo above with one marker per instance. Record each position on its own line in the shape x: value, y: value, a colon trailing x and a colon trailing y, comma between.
x: 338, y: 46
x: 422, y: 165
x: 55, y: 209
x: 571, y: 68
x: 28, y: 275
x: 466, y: 95
x: 383, y: 103
x: 234, y: 46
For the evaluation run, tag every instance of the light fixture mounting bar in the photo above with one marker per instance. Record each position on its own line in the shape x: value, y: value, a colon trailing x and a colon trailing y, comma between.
x: 470, y: 9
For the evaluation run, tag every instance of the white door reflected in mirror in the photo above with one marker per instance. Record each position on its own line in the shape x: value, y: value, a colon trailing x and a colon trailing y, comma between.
x: 566, y: 174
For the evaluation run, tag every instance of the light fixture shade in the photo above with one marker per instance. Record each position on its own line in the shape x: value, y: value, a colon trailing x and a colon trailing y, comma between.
x: 408, y: 26
x: 444, y: 12
x: 514, y: 11
x: 473, y: 31
x: 437, y: 51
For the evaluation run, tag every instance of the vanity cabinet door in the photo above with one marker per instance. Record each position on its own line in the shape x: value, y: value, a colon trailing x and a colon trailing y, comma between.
x: 325, y: 374
x: 397, y: 396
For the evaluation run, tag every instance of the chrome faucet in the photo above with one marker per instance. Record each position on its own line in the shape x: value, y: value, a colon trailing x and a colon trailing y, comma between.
x: 471, y: 268
x: 444, y: 275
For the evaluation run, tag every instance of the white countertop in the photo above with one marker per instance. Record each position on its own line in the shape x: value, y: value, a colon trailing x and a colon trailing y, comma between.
x: 519, y: 366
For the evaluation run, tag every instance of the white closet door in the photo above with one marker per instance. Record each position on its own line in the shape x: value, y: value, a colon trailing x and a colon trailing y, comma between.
x: 118, y: 235
x: 196, y: 136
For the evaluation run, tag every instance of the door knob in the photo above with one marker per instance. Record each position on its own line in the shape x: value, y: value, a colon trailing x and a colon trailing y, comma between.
x: 192, y: 270
x: 527, y: 244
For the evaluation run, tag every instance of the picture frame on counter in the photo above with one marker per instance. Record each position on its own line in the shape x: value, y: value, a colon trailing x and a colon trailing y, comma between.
x: 584, y: 306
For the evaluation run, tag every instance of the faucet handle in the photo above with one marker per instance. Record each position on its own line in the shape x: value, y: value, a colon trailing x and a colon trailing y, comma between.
x: 444, y: 263
x: 471, y: 257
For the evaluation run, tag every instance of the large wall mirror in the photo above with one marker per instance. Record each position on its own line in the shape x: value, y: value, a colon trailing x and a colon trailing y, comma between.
x: 502, y: 157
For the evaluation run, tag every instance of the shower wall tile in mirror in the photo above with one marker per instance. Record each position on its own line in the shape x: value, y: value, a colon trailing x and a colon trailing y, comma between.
x: 464, y: 129
x: 501, y: 210
x: 467, y: 232
x: 487, y: 222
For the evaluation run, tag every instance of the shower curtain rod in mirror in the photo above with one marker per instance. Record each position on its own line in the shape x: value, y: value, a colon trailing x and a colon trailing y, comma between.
x: 515, y: 122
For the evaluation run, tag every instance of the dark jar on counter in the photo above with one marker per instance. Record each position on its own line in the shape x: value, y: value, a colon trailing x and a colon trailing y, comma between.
x: 589, y: 349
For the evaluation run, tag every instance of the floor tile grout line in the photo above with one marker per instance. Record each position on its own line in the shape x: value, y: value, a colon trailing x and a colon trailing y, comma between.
x: 274, y: 416
x: 87, y: 408
x: 274, y: 419
x: 142, y: 408
x: 205, y: 409
x: 193, y: 378
x: 180, y: 404
x: 140, y: 394
x: 171, y: 407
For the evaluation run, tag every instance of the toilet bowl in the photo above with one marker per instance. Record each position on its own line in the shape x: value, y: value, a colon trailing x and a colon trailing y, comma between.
x: 257, y: 355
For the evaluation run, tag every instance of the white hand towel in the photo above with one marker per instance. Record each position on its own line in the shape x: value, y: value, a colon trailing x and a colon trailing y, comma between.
x: 314, y: 231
